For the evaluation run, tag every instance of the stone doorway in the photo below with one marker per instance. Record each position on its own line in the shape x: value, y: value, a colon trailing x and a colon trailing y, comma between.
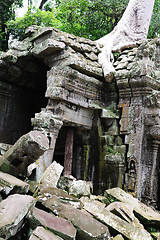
x: 21, y: 96
x: 81, y: 159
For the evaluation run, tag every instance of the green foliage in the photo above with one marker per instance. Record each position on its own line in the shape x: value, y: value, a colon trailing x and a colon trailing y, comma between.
x: 90, y: 19
x: 86, y: 18
x: 94, y: 19
x: 154, y: 30
x: 7, y: 12
x: 32, y: 17
x: 109, y: 199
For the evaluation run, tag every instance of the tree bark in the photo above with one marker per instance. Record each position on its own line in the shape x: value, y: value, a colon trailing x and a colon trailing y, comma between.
x: 42, y: 3
x: 68, y: 155
x: 132, y: 27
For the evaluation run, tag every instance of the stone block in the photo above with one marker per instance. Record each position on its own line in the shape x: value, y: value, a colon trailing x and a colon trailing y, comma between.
x: 118, y: 141
x: 118, y: 237
x: 47, y: 47
x: 122, y: 65
x: 10, y: 183
x: 80, y: 188
x: 109, y: 140
x: 87, y: 226
x: 120, y: 149
x: 57, y: 225
x: 4, y: 148
x: 12, y: 212
x: 26, y: 150
x: 130, y: 230
x: 51, y: 176
x: 41, y: 233
x: 114, y: 129
x: 146, y: 214
x: 62, y: 195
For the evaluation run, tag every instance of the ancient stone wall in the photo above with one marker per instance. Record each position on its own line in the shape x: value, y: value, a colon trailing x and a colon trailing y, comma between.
x: 113, y: 126
x: 137, y: 76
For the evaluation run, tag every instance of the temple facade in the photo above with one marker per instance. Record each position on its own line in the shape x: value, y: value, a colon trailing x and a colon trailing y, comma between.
x: 104, y: 132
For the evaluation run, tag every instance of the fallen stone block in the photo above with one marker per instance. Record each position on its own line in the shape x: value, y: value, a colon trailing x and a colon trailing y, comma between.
x: 75, y: 187
x: 80, y: 188
x: 12, y: 212
x: 146, y: 214
x: 41, y: 233
x: 129, y: 229
x: 155, y: 235
x: 4, y: 148
x: 123, y: 210
x: 87, y: 227
x: 51, y: 176
x: 65, y: 182
x: 63, y: 196
x: 118, y: 237
x: 57, y: 225
x: 9, y: 183
x: 26, y: 150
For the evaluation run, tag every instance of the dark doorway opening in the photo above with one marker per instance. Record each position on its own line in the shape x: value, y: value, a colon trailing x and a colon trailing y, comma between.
x: 21, y: 96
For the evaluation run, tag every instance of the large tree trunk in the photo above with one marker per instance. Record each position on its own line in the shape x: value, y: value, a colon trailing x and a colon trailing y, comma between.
x: 132, y: 27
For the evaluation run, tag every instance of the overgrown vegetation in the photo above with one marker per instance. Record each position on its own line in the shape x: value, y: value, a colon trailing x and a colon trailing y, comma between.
x: 7, y: 13
x: 86, y: 18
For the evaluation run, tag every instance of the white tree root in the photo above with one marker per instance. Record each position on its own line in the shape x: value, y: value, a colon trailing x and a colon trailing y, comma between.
x: 132, y: 28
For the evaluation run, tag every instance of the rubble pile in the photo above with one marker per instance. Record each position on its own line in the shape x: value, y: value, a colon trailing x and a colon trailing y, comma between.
x: 42, y: 210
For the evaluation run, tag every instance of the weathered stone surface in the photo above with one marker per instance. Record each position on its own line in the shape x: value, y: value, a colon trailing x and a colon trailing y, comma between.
x: 87, y: 226
x: 48, y: 47
x: 41, y: 233
x: 79, y: 116
x: 51, y: 176
x: 155, y: 235
x: 78, y: 95
x: 65, y: 182
x: 118, y: 237
x: 63, y: 196
x: 12, y: 212
x: 128, y: 228
x: 123, y: 210
x: 26, y: 150
x: 80, y: 188
x: 58, y: 225
x: 60, y: 86
x: 9, y: 183
x: 4, y: 148
x: 146, y: 214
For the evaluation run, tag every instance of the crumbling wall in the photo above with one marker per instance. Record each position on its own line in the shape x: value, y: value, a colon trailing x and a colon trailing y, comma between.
x: 137, y: 76
x: 115, y: 125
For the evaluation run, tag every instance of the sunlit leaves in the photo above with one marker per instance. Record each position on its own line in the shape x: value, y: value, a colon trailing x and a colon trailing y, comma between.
x: 32, y: 17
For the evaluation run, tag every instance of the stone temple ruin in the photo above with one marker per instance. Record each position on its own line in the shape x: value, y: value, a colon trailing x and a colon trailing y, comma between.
x: 104, y: 132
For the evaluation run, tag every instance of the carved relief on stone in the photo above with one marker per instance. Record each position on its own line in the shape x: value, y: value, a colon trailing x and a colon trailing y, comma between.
x: 132, y: 174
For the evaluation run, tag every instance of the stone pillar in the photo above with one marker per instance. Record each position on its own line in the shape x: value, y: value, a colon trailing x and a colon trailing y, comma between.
x: 154, y: 174
x: 150, y: 173
x: 138, y: 91
x: 46, y: 122
x: 68, y: 154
